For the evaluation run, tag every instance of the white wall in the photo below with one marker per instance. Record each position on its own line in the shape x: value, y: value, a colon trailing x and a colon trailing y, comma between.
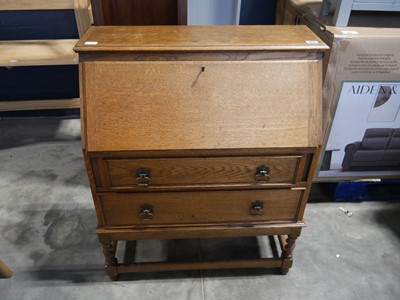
x: 213, y: 12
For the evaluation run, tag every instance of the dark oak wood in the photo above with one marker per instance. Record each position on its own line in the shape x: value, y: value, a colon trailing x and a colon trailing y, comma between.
x: 200, y: 132
x: 201, y: 265
x: 182, y: 12
x: 198, y: 56
x: 289, y: 151
x: 97, y: 11
x: 139, y: 12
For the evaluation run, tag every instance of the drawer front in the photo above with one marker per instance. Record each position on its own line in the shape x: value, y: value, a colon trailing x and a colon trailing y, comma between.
x: 200, y: 207
x: 194, y: 171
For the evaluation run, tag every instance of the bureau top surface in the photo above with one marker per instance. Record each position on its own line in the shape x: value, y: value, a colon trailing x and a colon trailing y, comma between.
x: 199, y: 38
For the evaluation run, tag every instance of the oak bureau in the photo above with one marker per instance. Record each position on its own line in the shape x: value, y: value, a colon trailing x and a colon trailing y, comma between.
x: 200, y: 132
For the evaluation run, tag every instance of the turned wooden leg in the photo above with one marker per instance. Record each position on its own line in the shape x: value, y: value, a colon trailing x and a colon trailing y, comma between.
x: 287, y: 253
x: 109, y: 250
x: 4, y: 270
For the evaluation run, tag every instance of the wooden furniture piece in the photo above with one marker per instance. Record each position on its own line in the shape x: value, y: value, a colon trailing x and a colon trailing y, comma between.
x: 139, y: 12
x: 18, y: 53
x: 343, y: 8
x: 200, y: 132
x: 4, y: 270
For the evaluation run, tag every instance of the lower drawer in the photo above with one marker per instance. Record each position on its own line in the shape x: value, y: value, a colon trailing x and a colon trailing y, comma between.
x: 200, y: 207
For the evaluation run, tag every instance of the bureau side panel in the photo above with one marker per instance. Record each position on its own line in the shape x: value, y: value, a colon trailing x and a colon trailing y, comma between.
x: 315, y: 102
x: 199, y: 105
x: 87, y: 85
x: 82, y: 104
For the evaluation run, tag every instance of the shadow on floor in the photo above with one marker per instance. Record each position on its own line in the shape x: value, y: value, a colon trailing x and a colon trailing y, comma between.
x: 167, y: 275
x: 85, y: 274
x: 200, y: 250
x: 16, y: 132
x: 390, y: 217
x: 322, y: 192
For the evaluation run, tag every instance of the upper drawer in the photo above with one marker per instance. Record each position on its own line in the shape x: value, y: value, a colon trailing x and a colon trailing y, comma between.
x: 153, y: 172
x: 173, y: 105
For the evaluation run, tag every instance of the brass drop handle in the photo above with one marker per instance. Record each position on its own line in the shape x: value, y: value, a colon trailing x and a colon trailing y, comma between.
x: 146, y: 212
x: 256, y: 208
x: 262, y: 174
x: 143, y: 177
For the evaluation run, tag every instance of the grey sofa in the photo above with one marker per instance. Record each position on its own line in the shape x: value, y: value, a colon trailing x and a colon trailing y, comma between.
x: 378, y: 150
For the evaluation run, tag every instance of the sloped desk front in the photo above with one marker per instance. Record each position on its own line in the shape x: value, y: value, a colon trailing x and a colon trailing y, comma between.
x: 200, y: 132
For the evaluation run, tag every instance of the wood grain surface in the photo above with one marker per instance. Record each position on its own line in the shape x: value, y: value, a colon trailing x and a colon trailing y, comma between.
x: 37, y: 52
x: 40, y: 104
x: 200, y: 108
x: 199, y: 207
x: 225, y: 170
x: 174, y: 105
x: 203, y: 38
x: 36, y: 4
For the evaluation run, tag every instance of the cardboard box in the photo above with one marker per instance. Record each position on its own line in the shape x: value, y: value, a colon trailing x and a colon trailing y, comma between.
x: 361, y: 92
x: 294, y: 11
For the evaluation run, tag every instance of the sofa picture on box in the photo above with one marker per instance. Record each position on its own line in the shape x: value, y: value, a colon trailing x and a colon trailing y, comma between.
x: 379, y: 149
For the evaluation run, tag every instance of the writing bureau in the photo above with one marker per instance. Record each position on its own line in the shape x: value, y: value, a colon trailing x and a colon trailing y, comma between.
x: 200, y: 132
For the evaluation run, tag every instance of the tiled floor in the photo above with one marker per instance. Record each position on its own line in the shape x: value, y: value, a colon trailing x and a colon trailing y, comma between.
x: 47, y: 238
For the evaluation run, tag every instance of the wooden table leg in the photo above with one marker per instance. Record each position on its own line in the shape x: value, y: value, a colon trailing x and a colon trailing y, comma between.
x: 109, y: 250
x: 287, y: 253
x: 4, y: 270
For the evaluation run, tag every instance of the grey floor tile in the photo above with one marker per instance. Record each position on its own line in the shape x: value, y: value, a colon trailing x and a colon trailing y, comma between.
x: 336, y: 257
